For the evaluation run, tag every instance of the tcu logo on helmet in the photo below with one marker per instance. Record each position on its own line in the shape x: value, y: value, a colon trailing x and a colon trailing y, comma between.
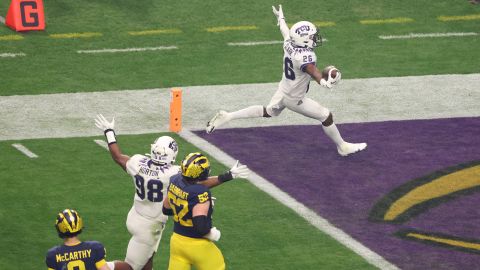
x: 173, y: 145
x: 303, y: 28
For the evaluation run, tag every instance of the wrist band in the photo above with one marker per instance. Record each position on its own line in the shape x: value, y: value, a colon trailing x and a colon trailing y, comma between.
x: 110, y: 135
x: 225, y: 177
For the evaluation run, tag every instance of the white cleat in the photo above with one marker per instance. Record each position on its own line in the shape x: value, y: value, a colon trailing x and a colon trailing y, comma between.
x: 219, y: 119
x: 349, y: 148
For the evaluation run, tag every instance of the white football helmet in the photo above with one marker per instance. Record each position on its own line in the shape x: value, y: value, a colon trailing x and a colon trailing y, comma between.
x: 164, y: 150
x: 305, y: 35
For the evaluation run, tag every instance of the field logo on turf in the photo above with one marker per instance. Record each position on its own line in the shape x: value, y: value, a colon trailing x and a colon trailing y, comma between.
x: 418, y: 196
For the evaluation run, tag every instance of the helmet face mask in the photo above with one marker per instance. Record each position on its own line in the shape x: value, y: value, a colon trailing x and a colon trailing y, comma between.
x: 305, y: 35
x: 164, y: 150
x: 68, y: 223
x: 195, y: 167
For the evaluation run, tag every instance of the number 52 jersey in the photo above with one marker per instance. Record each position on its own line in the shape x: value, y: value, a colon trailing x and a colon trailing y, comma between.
x: 151, y: 182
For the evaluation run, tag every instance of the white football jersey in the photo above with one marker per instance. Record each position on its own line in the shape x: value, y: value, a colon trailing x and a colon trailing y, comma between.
x: 295, y: 81
x: 151, y: 182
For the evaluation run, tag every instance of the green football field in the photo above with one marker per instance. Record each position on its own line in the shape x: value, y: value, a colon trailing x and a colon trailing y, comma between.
x: 257, y: 231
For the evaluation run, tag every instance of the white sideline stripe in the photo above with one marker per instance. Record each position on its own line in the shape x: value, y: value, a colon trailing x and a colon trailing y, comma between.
x: 429, y: 35
x: 256, y: 43
x: 24, y: 150
x: 3, y: 55
x: 129, y: 49
x: 313, y: 218
x: 102, y: 143
x: 2, y: 20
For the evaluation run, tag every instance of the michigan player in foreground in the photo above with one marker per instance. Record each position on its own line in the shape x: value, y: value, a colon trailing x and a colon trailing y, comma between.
x: 75, y: 254
x: 191, y: 205
x: 151, y: 177
x: 299, y: 62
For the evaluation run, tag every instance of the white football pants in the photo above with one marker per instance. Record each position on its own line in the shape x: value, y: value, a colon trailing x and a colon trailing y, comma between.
x: 146, y: 234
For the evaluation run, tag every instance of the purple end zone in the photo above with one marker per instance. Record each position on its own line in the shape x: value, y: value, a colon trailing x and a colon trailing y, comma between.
x: 303, y: 162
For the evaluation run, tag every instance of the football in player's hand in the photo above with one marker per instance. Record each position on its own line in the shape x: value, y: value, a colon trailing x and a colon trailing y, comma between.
x: 327, y: 69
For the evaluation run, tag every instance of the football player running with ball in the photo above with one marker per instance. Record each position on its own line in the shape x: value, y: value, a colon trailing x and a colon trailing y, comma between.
x: 151, y: 177
x: 299, y: 63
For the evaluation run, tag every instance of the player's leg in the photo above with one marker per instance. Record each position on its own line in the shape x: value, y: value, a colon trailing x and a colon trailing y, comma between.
x: 143, y: 244
x: 179, y: 253
x: 149, y: 265
x: 312, y: 109
x: 273, y: 109
x: 209, y: 257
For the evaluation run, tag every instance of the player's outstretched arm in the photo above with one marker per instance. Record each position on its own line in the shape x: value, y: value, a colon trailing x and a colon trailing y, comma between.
x: 107, y: 127
x: 281, y: 22
x: 237, y: 171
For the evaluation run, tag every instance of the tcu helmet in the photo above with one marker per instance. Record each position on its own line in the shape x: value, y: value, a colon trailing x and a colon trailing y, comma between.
x: 68, y: 223
x: 195, y: 167
x: 304, y: 34
x: 164, y: 150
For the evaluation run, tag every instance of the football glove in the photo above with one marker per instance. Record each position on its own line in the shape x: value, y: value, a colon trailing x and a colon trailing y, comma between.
x: 103, y: 124
x: 278, y: 13
x: 336, y: 79
x: 213, y: 235
x: 325, y: 83
x: 239, y: 171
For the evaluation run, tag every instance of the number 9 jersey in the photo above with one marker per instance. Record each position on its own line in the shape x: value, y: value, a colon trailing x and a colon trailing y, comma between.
x: 295, y: 80
x: 151, y: 181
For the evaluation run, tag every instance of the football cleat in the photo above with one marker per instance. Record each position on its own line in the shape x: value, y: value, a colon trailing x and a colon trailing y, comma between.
x: 349, y: 148
x: 219, y: 119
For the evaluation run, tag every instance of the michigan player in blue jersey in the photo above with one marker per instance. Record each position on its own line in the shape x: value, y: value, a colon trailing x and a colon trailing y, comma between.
x: 191, y: 205
x: 75, y: 254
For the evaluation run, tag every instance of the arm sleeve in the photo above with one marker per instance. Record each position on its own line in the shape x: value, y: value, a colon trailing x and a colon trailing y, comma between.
x: 100, y: 255
x: 202, y: 224
x: 284, y: 29
x: 133, y: 165
x: 307, y: 58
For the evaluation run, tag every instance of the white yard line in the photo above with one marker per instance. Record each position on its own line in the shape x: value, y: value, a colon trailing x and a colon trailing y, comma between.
x: 255, y: 43
x: 4, y: 55
x: 102, y: 143
x: 147, y: 111
x: 24, y: 150
x: 429, y: 35
x: 129, y: 49
x: 303, y: 211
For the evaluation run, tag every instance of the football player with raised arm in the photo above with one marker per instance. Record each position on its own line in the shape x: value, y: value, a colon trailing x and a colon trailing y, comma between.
x: 75, y: 254
x: 191, y: 205
x: 151, y: 177
x: 299, y: 62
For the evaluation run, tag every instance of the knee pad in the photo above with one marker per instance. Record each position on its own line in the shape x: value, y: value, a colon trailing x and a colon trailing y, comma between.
x: 328, y: 121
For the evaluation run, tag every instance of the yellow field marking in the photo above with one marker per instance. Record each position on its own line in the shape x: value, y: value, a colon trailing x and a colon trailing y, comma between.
x: 443, y: 186
x: 155, y: 32
x: 385, y: 21
x: 459, y: 18
x: 232, y: 28
x: 11, y: 37
x: 450, y: 242
x: 76, y: 35
x: 324, y: 24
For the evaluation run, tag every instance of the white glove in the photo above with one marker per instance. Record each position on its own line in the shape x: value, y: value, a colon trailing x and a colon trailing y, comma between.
x: 103, y: 124
x: 213, y: 235
x: 325, y: 83
x: 336, y: 79
x: 239, y: 171
x: 278, y: 13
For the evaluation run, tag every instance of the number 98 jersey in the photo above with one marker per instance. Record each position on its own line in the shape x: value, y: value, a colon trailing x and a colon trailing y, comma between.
x: 151, y: 182
x: 295, y: 80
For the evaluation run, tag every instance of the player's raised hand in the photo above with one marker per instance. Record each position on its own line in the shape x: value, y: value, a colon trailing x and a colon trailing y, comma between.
x: 278, y: 13
x: 239, y: 170
x: 102, y: 123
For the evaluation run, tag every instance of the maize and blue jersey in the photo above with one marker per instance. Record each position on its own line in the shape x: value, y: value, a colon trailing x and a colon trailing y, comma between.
x: 183, y: 197
x: 88, y: 255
